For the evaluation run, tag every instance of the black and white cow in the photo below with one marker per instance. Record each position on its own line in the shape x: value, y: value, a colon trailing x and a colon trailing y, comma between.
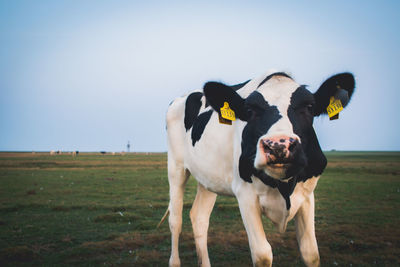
x: 269, y: 158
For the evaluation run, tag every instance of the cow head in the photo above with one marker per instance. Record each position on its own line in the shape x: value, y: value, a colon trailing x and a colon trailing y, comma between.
x: 278, y: 140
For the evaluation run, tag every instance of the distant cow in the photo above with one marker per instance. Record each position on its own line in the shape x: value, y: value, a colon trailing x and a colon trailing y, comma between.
x: 266, y: 154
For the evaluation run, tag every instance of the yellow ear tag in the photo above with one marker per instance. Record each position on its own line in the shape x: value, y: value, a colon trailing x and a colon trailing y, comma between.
x: 227, y: 112
x: 335, y: 106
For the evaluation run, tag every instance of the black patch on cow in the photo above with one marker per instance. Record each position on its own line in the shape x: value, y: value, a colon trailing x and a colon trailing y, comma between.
x: 238, y: 86
x: 338, y: 82
x: 301, y: 115
x: 272, y: 75
x: 285, y: 188
x: 199, y: 125
x: 261, y: 117
x: 218, y: 93
x: 316, y: 160
x: 192, y: 108
x: 234, y: 87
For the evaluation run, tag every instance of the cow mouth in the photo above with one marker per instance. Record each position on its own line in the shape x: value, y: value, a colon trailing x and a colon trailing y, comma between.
x: 276, y: 166
x: 279, y: 165
x: 279, y: 162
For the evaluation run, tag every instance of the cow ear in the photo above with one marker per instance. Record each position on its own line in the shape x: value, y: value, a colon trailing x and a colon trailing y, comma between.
x: 341, y: 86
x: 218, y: 93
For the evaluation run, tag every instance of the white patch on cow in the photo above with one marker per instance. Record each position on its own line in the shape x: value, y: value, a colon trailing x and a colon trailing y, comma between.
x: 210, y: 164
x: 274, y: 205
x: 277, y: 92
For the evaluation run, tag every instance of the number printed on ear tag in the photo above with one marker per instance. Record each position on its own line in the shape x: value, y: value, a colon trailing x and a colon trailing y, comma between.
x: 227, y: 112
x: 335, y: 106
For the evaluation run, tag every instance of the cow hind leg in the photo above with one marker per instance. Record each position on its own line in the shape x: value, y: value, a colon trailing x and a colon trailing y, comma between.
x: 200, y: 217
x: 177, y: 177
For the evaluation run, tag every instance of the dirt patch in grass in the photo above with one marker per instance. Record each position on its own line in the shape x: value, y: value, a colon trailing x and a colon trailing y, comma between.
x: 66, y: 208
x: 362, y: 163
x: 145, y: 257
x: 360, y: 244
x: 227, y: 207
x: 67, y: 239
x: 362, y: 237
x: 63, y: 164
x: 125, y: 250
x: 31, y: 192
x: 228, y: 240
x: 377, y: 166
x: 129, y: 241
x: 17, y: 254
x: 61, y: 208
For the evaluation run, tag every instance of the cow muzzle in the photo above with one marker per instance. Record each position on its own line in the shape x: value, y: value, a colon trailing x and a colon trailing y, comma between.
x: 276, y: 155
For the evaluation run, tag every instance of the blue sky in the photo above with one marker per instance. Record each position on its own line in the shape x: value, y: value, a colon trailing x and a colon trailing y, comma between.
x: 91, y: 75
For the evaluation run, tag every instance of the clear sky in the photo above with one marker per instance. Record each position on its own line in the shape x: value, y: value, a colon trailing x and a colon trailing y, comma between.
x: 91, y: 75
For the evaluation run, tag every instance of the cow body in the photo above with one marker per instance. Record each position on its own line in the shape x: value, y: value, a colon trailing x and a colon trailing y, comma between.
x: 268, y: 158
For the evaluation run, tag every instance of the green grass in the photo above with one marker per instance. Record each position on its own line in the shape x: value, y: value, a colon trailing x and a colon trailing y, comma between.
x: 103, y: 209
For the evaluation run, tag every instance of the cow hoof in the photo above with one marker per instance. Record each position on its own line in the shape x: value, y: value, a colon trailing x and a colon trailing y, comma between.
x: 314, y: 263
x: 174, y: 262
x: 263, y: 263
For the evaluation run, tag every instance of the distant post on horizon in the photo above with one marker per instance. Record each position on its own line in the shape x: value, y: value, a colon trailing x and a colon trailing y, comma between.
x: 128, y: 146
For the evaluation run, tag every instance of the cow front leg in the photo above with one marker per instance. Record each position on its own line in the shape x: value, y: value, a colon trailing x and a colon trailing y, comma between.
x: 261, y: 251
x: 305, y: 232
x: 200, y: 217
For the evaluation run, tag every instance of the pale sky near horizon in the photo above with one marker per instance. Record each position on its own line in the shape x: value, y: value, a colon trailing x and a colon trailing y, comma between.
x: 93, y: 75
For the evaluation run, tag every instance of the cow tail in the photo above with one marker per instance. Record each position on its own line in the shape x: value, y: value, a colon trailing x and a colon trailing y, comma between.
x: 163, y: 218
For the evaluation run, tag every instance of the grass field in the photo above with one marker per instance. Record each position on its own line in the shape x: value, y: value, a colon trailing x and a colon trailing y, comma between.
x: 103, y: 210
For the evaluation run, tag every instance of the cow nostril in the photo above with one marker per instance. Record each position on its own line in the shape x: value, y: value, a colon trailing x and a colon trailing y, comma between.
x: 292, y: 145
x: 267, y: 145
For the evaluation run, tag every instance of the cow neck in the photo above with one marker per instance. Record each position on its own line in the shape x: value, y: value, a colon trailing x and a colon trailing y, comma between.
x: 285, y: 188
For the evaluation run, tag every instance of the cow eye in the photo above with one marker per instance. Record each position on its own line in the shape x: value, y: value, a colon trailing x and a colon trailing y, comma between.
x: 251, y: 113
x: 306, y: 109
